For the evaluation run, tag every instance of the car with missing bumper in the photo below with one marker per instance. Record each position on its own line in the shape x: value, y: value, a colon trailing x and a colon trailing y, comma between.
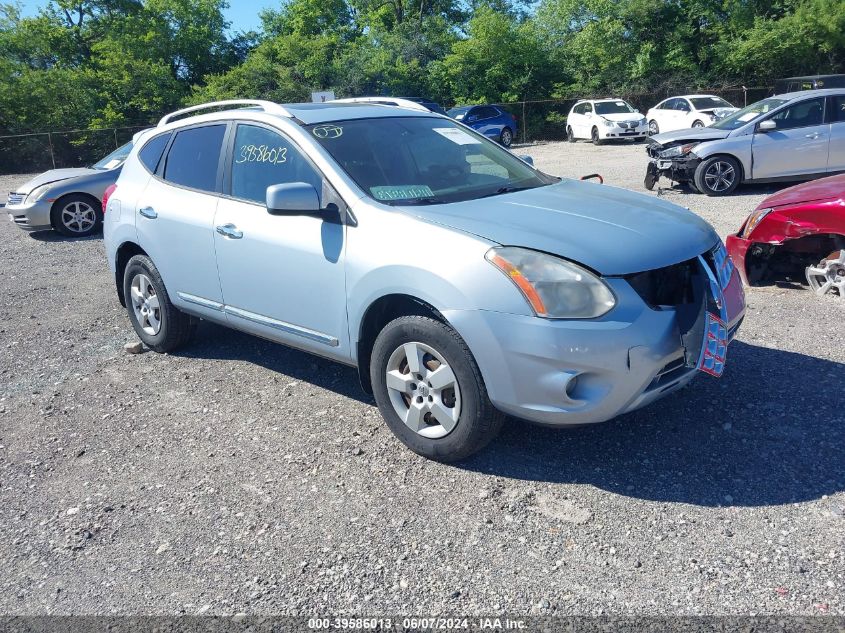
x: 793, y: 136
x: 462, y: 283
x: 67, y: 200
x: 794, y: 233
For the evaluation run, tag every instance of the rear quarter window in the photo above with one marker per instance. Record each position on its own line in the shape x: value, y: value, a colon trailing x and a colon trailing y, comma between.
x: 150, y: 154
x: 194, y: 156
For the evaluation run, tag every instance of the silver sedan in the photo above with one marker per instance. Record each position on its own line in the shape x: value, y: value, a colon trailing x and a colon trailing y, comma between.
x: 67, y: 200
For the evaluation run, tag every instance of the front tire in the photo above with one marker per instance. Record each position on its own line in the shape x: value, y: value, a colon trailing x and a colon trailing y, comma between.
x: 570, y: 135
x: 430, y: 391
x: 717, y: 175
x: 653, y: 128
x: 157, y: 322
x: 76, y: 215
x: 594, y: 136
x: 697, y: 123
x: 506, y: 137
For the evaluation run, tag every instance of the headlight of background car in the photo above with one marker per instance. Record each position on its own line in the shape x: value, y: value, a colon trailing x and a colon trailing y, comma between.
x: 679, y: 150
x: 753, y: 220
x: 38, y: 193
x: 608, y: 123
x: 553, y: 287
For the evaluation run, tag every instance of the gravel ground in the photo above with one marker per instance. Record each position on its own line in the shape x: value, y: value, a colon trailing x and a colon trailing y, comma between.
x: 240, y: 476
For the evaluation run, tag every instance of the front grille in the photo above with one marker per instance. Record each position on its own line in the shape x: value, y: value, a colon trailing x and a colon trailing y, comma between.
x: 16, y: 198
x: 666, y: 287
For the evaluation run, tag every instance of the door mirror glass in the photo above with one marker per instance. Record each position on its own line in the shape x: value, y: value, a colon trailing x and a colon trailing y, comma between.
x: 293, y: 198
x: 766, y: 126
x: 472, y: 118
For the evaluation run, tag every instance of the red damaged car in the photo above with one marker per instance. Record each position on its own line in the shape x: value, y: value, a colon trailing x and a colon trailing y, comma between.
x: 797, y: 231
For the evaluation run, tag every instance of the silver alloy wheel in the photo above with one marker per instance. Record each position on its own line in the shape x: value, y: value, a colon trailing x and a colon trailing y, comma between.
x: 697, y: 124
x: 652, y: 128
x: 507, y: 137
x: 145, y: 304
x: 79, y: 217
x: 719, y: 176
x: 827, y: 275
x: 423, y: 390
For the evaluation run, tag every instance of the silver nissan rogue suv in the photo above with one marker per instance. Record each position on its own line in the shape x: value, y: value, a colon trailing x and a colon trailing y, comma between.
x: 461, y: 282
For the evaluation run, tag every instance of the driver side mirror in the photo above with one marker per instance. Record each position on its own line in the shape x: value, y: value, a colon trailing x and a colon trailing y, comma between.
x: 527, y: 159
x: 293, y: 198
x: 472, y: 118
x: 767, y: 126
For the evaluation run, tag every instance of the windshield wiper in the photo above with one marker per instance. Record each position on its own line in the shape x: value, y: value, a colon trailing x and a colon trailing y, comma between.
x: 502, y: 190
x: 416, y: 201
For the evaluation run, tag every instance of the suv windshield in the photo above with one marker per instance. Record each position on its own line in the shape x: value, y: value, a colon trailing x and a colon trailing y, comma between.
x: 422, y: 160
x: 613, y: 107
x: 115, y: 159
x: 748, y: 114
x: 703, y: 103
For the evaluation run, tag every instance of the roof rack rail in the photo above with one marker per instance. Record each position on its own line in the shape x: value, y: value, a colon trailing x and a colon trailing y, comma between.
x: 268, y: 106
x: 389, y: 101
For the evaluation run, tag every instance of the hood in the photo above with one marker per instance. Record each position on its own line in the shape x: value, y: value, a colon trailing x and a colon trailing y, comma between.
x: 622, y: 116
x: 699, y: 134
x: 53, y: 175
x: 611, y: 230
x: 720, y: 113
x: 832, y: 188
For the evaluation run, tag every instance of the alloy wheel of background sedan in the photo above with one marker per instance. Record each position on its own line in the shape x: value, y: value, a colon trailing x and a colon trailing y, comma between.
x: 78, y: 217
x: 423, y: 390
x: 719, y: 176
x: 653, y: 128
x: 697, y: 124
x: 145, y: 304
x: 507, y: 137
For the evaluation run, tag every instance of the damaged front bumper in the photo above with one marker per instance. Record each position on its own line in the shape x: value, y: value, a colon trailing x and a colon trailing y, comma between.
x: 677, y: 169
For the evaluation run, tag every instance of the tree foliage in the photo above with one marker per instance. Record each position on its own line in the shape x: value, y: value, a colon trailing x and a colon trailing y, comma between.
x: 81, y: 63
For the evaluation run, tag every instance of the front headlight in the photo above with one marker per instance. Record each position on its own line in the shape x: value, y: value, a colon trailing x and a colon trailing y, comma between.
x: 753, y: 220
x: 678, y: 150
x: 608, y: 123
x: 39, y: 192
x: 553, y: 287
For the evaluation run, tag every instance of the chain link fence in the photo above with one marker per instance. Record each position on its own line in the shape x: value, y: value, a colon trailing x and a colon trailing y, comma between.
x: 538, y: 120
x: 40, y: 151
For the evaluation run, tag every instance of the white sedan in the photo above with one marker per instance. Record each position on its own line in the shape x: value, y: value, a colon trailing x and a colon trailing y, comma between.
x: 681, y: 113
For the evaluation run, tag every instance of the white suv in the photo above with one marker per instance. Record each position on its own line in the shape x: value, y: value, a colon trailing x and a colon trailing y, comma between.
x: 600, y: 120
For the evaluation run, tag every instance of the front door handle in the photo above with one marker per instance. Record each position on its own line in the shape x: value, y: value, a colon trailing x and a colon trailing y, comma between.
x: 148, y: 212
x: 813, y: 136
x: 230, y: 230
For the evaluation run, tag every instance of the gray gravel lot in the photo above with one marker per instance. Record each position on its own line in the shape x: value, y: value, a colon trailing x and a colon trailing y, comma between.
x: 241, y: 476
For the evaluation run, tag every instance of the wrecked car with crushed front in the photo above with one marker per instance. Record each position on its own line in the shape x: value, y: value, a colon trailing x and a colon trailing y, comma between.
x: 796, y: 233
x: 795, y: 136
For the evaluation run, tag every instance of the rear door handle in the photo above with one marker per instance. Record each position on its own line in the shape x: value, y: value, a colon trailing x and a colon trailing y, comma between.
x: 148, y: 212
x: 230, y: 230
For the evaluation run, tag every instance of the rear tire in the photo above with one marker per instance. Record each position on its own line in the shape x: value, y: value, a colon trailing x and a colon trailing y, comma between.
x: 718, y: 175
x: 405, y: 354
x: 506, y: 137
x: 77, y: 215
x: 594, y: 135
x: 570, y: 135
x: 157, y: 322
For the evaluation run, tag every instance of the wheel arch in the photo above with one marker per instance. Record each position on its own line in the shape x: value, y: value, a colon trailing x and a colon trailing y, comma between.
x: 727, y: 155
x: 125, y: 252
x: 378, y: 314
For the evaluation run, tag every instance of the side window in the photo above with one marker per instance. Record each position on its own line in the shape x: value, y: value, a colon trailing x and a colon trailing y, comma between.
x: 588, y: 108
x: 151, y: 153
x: 487, y: 112
x: 837, y: 109
x: 801, y: 114
x: 579, y: 109
x: 193, y: 157
x: 682, y: 105
x: 261, y: 158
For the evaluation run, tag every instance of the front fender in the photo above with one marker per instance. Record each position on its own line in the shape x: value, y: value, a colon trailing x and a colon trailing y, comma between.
x: 738, y: 147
